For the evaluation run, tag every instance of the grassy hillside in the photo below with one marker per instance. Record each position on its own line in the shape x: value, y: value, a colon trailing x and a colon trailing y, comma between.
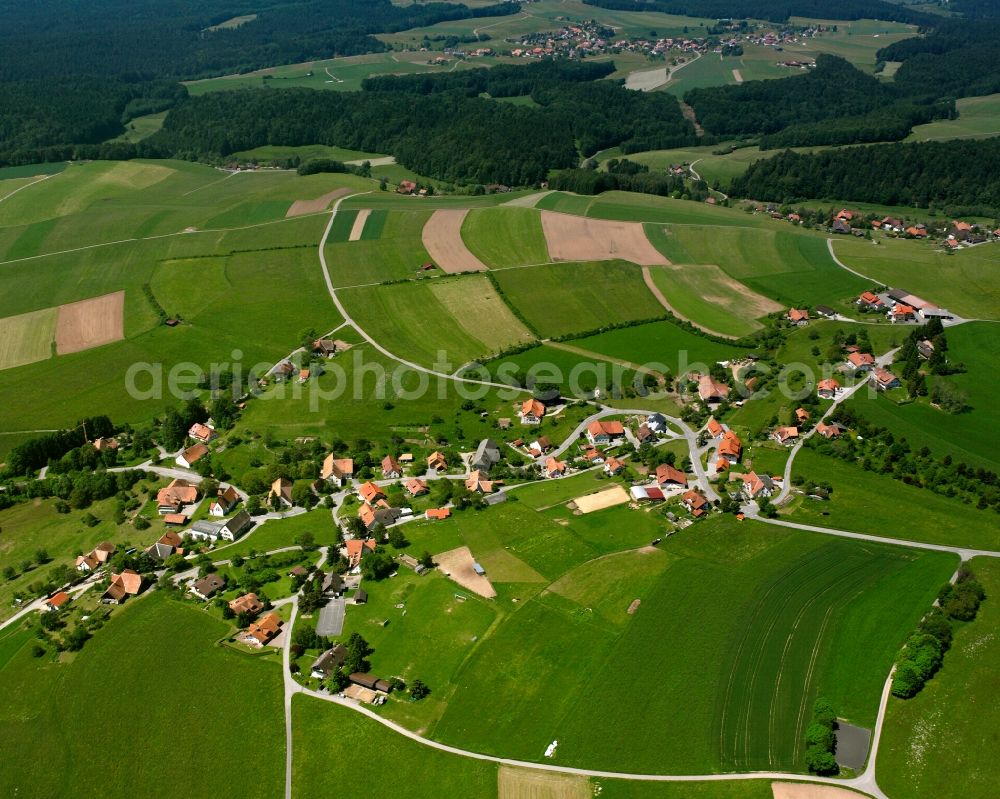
x: 567, y: 656
x: 965, y: 282
x: 972, y: 436
x: 153, y: 668
x: 877, y: 504
x: 505, y: 236
x: 462, y: 317
x: 931, y: 740
x: 576, y: 297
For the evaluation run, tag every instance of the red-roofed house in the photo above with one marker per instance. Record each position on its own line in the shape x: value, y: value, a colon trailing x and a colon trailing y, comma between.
x: 798, y: 316
x: 369, y: 492
x: 901, y: 313
x: 191, y: 456
x: 437, y: 462
x: 786, y: 435
x: 714, y: 428
x: 438, y: 513
x: 605, y: 433
x: 613, y: 466
x: 391, y: 468
x: 829, y: 430
x: 667, y: 475
x: 710, y: 391
x: 801, y: 415
x: 861, y: 360
x: 554, y: 468
x: 337, y: 470
x: 415, y: 487
x: 827, y: 389
x: 479, y: 483
x: 531, y: 412
x: 55, y: 602
x: 730, y: 447
x: 884, y: 379
x: 869, y: 300
x: 225, y: 500
x: 357, y: 549
x: 282, y: 489
x: 201, y: 432
x: 695, y: 503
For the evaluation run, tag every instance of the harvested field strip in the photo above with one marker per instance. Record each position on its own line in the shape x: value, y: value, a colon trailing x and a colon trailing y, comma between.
x: 442, y: 236
x: 481, y: 312
x: 574, y: 238
x: 458, y: 565
x: 505, y: 236
x: 410, y: 321
x: 27, y: 337
x: 302, y: 207
x: 90, y: 323
x: 708, y: 297
x: 359, y: 224
x: 519, y: 783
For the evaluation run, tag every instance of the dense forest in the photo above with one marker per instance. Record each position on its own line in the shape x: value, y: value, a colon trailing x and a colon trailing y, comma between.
x: 835, y: 103
x: 142, y: 39
x: 453, y: 134
x: 77, y: 72
x: 918, y: 174
x: 774, y: 10
x: 957, y: 59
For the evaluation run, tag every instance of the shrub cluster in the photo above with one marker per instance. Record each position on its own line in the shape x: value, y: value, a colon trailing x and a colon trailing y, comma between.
x: 821, y: 742
x: 924, y: 651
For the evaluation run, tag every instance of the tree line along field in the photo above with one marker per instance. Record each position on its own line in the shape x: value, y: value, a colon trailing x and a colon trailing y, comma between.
x: 153, y: 669
x: 978, y: 117
x: 925, y: 742
x: 971, y: 436
x: 941, y: 520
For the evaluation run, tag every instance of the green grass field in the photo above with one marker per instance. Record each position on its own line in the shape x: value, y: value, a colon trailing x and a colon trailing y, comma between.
x: 659, y: 343
x: 929, y: 742
x: 965, y: 282
x: 505, y: 236
x: 871, y: 503
x: 153, y: 670
x: 789, y: 266
x: 574, y: 662
x: 707, y: 296
x: 978, y: 117
x: 97, y: 228
x: 464, y: 318
x: 390, y: 248
x: 327, y: 739
x: 972, y: 436
x: 576, y: 297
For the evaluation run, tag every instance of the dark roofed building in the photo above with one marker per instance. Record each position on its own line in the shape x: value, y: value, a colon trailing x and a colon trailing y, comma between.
x: 329, y: 661
x: 208, y: 586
